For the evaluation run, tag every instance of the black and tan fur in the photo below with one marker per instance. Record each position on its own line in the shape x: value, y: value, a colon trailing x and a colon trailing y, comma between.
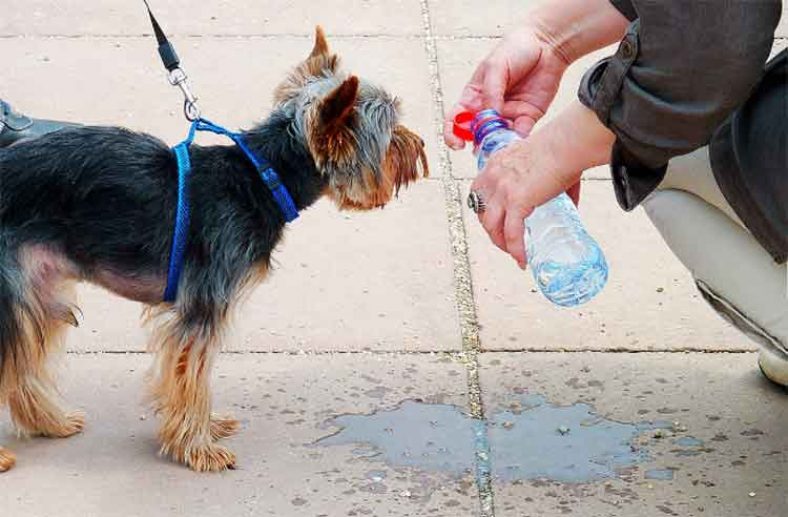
x: 97, y: 204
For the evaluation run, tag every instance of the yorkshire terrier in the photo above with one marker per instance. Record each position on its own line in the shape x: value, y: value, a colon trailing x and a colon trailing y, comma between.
x: 98, y: 204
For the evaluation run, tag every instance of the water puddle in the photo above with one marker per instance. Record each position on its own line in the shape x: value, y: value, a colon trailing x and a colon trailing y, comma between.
x: 426, y: 436
x: 531, y: 439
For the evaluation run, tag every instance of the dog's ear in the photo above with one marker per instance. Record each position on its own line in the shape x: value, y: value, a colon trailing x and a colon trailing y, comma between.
x: 330, y: 134
x: 336, y: 108
x: 320, y: 62
x: 321, y: 44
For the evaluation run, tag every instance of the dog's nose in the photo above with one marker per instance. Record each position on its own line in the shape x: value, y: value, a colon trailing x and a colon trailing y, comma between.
x: 422, y: 141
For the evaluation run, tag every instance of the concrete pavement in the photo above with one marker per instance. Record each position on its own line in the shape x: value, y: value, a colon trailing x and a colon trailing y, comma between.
x: 362, y: 370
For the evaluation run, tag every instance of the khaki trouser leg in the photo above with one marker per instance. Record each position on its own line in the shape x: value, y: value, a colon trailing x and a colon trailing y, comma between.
x: 733, y: 272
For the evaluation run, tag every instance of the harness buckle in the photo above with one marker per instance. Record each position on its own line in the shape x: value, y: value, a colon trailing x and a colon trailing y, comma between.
x: 177, y: 77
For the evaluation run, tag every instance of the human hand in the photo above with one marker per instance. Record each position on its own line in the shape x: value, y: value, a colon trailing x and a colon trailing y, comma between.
x: 517, y: 179
x: 528, y: 173
x: 519, y: 79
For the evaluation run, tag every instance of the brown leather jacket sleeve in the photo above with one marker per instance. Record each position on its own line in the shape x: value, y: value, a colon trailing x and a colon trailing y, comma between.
x: 681, y: 69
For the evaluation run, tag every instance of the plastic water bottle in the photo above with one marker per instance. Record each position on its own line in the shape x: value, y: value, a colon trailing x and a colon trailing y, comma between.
x: 567, y: 264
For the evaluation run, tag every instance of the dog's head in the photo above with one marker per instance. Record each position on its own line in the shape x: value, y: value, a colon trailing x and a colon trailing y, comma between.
x: 352, y: 130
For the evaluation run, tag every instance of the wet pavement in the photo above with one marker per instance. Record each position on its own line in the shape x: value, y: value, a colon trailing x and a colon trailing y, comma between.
x: 395, y: 364
x: 583, y: 447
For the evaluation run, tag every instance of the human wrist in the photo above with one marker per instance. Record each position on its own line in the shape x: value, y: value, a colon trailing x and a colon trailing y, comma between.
x: 571, y: 143
x: 576, y: 27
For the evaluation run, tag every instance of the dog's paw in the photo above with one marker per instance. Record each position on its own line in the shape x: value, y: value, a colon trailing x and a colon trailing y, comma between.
x: 211, y: 458
x: 7, y: 460
x: 223, y: 427
x: 70, y: 425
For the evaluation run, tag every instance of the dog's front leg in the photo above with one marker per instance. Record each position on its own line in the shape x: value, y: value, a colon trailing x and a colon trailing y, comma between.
x: 186, y: 349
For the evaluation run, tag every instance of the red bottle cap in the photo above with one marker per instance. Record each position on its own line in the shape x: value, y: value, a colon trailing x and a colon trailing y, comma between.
x: 462, y: 125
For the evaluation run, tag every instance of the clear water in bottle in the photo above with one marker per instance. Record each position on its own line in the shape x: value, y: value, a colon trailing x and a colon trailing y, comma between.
x: 567, y: 264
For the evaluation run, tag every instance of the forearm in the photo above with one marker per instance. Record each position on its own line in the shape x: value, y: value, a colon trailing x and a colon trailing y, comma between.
x: 562, y: 149
x: 575, y: 28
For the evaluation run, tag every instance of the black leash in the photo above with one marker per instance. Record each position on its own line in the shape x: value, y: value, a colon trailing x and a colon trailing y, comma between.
x: 175, y: 74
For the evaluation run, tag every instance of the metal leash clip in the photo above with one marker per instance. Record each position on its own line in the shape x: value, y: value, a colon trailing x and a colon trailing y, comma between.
x: 177, y: 77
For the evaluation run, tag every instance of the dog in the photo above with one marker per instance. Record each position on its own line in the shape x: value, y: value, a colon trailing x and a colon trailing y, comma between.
x: 98, y: 205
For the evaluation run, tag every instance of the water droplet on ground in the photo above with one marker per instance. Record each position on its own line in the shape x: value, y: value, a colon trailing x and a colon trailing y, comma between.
x: 660, y: 474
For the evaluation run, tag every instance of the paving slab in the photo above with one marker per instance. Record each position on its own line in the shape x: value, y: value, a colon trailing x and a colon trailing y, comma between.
x: 459, y: 58
x: 650, y: 302
x: 380, y: 281
x: 284, y: 404
x: 723, y: 459
x: 210, y: 17
x: 120, y: 81
x: 468, y: 18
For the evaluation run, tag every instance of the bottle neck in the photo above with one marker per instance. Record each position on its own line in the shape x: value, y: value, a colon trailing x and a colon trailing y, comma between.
x: 487, y: 122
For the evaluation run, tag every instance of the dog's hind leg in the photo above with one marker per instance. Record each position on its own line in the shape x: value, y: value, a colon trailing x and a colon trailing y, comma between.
x: 186, y: 346
x: 33, y: 321
x: 223, y: 426
x: 11, y: 341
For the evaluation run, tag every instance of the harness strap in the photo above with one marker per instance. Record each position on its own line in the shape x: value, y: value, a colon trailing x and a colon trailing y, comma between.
x: 182, y: 219
x: 264, y: 168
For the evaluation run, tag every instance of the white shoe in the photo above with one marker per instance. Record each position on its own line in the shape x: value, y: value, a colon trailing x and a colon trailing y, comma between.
x: 774, y: 366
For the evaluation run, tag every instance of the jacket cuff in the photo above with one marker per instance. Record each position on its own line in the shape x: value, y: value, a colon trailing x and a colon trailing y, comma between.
x: 599, y: 90
x: 601, y: 85
x: 626, y: 8
x: 632, y: 181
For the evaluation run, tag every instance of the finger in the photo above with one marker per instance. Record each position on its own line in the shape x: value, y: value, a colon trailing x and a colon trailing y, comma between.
x: 485, y: 183
x: 524, y: 114
x: 470, y: 100
x: 492, y: 220
x: 574, y: 193
x: 453, y: 141
x: 514, y: 229
x: 496, y: 78
x: 524, y: 125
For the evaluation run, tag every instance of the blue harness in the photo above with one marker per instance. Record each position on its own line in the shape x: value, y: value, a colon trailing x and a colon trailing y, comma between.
x: 183, y: 215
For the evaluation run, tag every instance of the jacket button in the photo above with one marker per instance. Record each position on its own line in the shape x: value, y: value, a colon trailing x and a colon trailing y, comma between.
x: 627, y: 49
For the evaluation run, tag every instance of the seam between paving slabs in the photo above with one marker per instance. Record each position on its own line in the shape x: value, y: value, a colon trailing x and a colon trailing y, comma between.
x: 460, y: 356
x: 261, y: 36
x: 208, y: 36
x: 466, y: 304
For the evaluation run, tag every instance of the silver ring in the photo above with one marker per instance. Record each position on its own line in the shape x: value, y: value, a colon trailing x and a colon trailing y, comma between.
x: 476, y: 203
